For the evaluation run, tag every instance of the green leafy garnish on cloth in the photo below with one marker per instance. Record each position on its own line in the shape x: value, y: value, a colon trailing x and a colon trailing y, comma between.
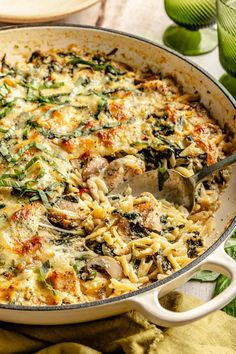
x: 128, y: 333
x: 222, y: 282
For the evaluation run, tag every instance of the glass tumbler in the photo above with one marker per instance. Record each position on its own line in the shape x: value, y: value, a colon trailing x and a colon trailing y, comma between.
x: 189, y: 36
x: 226, y: 24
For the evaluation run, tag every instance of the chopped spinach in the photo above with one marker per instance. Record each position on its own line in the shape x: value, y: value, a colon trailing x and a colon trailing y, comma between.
x: 135, y: 263
x: 166, y: 130
x: 133, y: 215
x: 163, y: 219
x: 83, y: 272
x: 112, y: 52
x: 163, y: 263
x: 94, y: 246
x: 193, y: 244
x: 153, y: 156
x: 138, y: 230
x: 35, y: 55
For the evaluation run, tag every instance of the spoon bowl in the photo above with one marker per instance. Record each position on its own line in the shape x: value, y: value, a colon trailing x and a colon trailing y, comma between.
x: 177, y: 188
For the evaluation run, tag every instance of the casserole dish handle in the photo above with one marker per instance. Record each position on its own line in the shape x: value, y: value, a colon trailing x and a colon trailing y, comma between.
x: 149, y: 305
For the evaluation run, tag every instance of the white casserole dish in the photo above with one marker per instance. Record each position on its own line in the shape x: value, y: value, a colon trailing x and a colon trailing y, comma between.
x: 18, y: 41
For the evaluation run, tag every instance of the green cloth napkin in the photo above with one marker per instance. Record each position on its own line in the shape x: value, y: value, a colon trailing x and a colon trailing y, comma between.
x: 128, y: 333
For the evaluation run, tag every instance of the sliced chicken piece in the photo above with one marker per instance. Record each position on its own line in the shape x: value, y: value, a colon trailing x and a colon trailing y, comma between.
x: 94, y: 167
x: 150, y: 213
x: 68, y: 214
x: 120, y: 170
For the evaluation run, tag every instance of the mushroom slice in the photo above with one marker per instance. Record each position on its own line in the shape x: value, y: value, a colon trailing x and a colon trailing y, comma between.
x: 108, y: 264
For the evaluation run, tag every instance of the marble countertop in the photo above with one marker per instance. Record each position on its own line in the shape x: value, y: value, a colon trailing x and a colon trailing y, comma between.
x: 149, y: 20
x: 143, y: 18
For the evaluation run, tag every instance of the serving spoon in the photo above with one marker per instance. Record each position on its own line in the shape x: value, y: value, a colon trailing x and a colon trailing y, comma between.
x: 177, y: 188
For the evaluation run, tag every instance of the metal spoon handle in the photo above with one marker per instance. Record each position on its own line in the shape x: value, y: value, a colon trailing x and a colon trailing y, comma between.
x: 208, y: 170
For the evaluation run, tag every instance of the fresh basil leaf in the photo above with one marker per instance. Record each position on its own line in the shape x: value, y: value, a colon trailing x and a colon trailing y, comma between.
x: 44, y: 269
x: 221, y: 284
x: 44, y: 198
x: 205, y: 275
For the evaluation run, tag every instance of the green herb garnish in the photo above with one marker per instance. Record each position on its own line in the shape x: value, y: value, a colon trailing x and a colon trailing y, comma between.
x: 101, y: 104
x: 163, y: 176
x: 106, y: 66
x: 43, y: 271
x: 44, y: 198
x: 7, y: 107
x: 52, y: 85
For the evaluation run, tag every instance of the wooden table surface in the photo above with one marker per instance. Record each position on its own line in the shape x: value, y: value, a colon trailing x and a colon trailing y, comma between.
x: 146, y: 18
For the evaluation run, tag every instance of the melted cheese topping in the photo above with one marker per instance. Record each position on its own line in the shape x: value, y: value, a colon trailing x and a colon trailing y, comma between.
x: 72, y: 127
